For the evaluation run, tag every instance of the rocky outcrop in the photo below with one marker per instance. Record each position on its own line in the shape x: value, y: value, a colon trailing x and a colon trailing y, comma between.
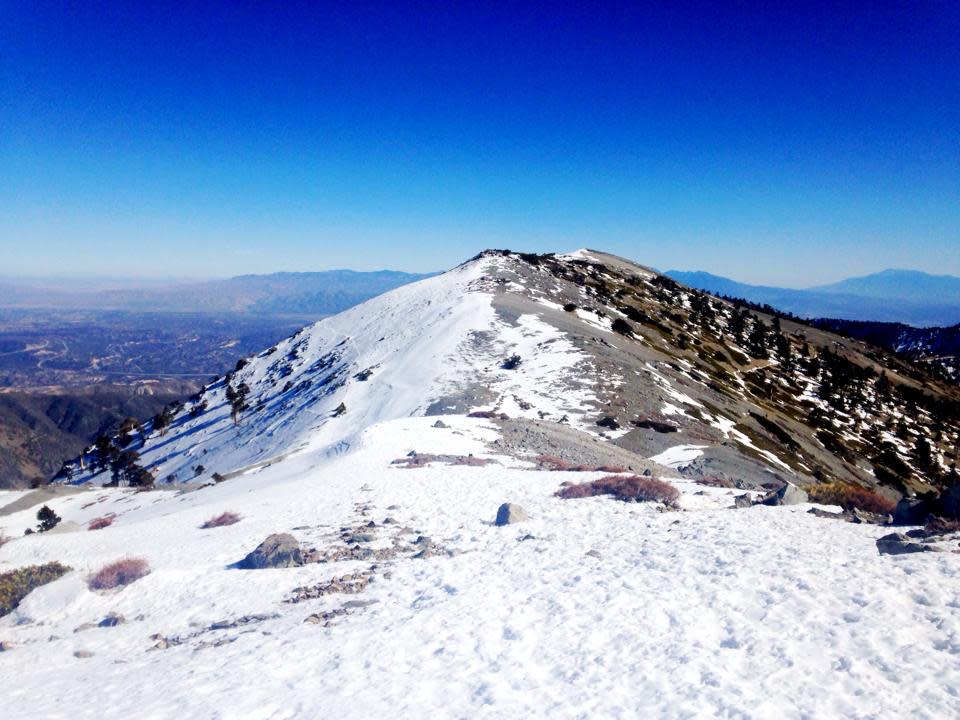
x: 787, y: 495
x: 280, y: 550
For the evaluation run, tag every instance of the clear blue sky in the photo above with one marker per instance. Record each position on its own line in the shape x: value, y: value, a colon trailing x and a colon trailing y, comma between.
x: 763, y: 141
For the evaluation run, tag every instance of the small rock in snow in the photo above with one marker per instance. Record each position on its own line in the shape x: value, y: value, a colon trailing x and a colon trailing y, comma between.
x: 440, y: 424
x: 112, y: 620
x: 510, y: 513
x: 83, y: 654
x: 900, y: 544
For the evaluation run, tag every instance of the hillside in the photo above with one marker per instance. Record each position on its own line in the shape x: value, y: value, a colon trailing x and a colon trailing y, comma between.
x: 380, y: 444
x: 936, y: 349
x: 39, y: 431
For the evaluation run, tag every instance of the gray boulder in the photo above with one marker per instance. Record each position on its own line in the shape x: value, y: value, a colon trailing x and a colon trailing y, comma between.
x: 900, y: 544
x: 280, y: 550
x: 911, y: 511
x: 948, y: 506
x: 743, y: 501
x: 787, y: 495
x: 510, y: 513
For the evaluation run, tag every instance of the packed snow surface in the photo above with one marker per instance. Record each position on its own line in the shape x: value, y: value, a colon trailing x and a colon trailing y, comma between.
x: 764, y: 612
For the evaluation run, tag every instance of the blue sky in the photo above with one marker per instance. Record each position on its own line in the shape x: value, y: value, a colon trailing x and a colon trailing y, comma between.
x: 763, y: 142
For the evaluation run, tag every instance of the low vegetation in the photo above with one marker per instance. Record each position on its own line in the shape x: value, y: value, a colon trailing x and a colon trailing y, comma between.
x: 15, y: 585
x: 851, y: 497
x: 119, y: 573
x: 420, y: 460
x: 551, y: 462
x: 101, y: 522
x: 222, y: 520
x: 630, y: 488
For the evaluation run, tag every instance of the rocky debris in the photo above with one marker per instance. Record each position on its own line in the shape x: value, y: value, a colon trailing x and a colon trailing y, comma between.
x: 900, y: 544
x: 786, y: 495
x: 240, y: 621
x: 441, y: 425
x: 82, y: 654
x: 427, y: 548
x: 508, y: 513
x: 855, y: 516
x: 359, y: 538
x: 325, y: 618
x: 280, y: 550
x: 161, y: 642
x: 346, y: 585
x: 112, y: 619
x: 417, y: 460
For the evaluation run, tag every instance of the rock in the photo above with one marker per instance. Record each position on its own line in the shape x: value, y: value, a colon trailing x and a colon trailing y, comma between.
x: 83, y: 654
x: 353, y: 604
x: 743, y: 501
x: 912, y: 511
x: 647, y: 472
x: 508, y: 513
x: 112, y: 620
x: 900, y: 544
x: 359, y: 538
x: 859, y: 516
x: 594, y: 554
x: 84, y: 627
x: 280, y: 550
x: 786, y: 495
x: 948, y: 505
x: 440, y: 424
x: 6, y: 646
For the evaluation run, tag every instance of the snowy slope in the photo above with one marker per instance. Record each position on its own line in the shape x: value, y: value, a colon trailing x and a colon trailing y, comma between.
x: 707, y: 613
x: 391, y: 357
x: 414, y: 604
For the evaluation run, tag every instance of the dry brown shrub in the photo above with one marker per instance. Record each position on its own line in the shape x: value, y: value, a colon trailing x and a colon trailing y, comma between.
x: 631, y: 488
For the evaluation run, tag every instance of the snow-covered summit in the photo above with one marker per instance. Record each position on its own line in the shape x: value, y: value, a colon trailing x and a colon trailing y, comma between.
x: 437, y: 346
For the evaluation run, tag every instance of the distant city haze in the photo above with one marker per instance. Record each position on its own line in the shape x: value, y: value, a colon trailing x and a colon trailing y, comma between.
x: 777, y: 145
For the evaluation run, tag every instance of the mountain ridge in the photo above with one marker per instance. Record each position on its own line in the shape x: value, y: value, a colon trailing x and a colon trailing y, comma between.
x: 881, y: 297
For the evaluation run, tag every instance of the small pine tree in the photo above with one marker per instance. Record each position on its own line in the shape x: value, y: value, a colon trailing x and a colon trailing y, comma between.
x: 47, y: 519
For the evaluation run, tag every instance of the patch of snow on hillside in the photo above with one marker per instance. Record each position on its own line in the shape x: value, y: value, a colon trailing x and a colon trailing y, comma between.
x: 679, y: 456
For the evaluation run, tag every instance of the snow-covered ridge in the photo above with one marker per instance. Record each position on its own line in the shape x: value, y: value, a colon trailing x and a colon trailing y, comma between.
x: 436, y: 346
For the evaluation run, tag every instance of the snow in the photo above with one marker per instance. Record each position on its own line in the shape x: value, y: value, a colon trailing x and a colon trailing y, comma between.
x: 762, y: 612
x: 423, y: 342
x: 710, y: 612
x: 679, y: 456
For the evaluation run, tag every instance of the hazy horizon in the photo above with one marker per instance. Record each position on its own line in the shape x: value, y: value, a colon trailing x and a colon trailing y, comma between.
x: 134, y: 281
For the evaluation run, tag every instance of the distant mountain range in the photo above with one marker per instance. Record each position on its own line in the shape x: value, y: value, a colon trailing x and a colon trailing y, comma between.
x: 905, y: 296
x: 304, y: 293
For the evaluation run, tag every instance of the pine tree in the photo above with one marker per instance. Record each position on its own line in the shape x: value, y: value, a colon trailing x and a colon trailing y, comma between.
x: 47, y: 518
